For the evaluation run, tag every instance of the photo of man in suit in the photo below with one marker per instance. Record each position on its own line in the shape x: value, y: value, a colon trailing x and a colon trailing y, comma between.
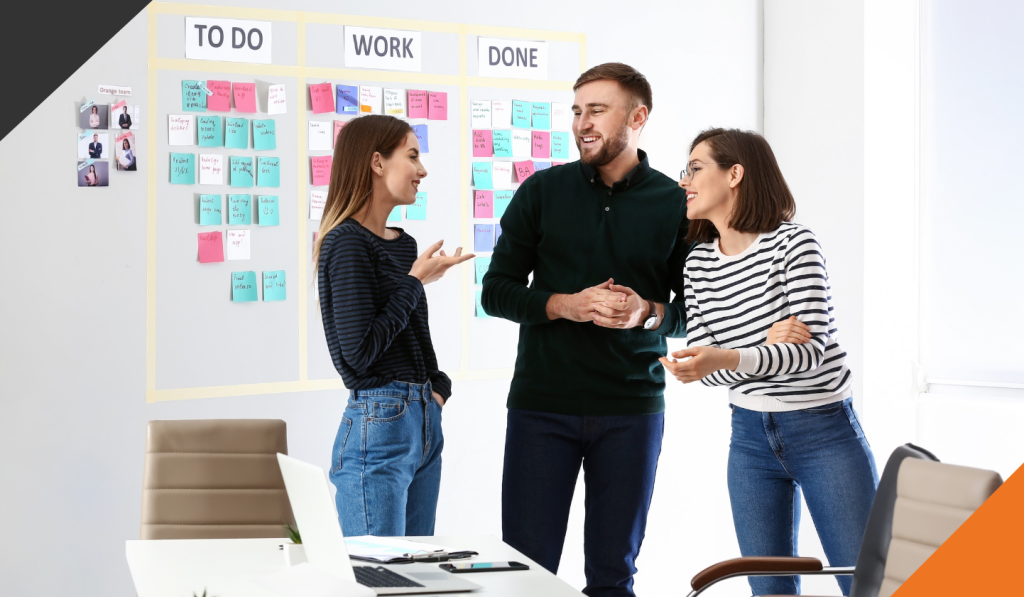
x: 95, y: 148
x: 124, y: 120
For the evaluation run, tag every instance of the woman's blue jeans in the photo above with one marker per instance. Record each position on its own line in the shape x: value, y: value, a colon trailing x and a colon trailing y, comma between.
x: 386, y: 461
x: 773, y: 457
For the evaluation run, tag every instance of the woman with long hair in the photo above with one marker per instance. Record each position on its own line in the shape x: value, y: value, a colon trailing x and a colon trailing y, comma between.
x: 94, y: 118
x: 91, y: 178
x: 128, y: 154
x: 794, y: 429
x: 386, y: 461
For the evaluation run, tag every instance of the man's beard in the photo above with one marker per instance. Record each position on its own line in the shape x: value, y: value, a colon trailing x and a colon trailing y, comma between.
x: 612, y: 148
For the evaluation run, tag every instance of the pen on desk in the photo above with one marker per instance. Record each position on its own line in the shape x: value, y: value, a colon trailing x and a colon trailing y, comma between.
x: 455, y: 555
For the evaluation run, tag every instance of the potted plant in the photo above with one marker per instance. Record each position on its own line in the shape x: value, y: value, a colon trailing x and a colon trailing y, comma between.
x: 294, y: 553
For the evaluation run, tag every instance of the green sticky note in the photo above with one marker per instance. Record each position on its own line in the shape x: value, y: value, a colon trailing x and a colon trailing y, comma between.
x: 269, y: 210
x: 501, y: 201
x: 396, y: 214
x: 521, y: 114
x: 502, y: 143
x: 264, y: 135
x: 479, y: 305
x: 560, y: 145
x: 236, y: 133
x: 193, y: 98
x: 418, y: 210
x: 239, y: 209
x: 243, y: 287
x: 209, y: 210
x: 481, y: 263
x: 241, y: 171
x: 482, y: 175
x: 274, y: 286
x: 183, y: 168
x: 541, y: 115
x: 211, y: 134
x: 269, y: 172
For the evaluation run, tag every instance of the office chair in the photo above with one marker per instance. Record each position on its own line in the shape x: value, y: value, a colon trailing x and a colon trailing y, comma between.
x: 214, y: 479
x: 920, y: 502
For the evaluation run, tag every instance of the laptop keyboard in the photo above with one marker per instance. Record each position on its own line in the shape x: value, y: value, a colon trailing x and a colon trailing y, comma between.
x: 370, y: 576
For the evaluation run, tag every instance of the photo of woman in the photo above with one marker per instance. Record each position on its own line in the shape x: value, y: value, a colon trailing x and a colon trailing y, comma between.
x: 96, y: 174
x: 126, y: 155
x: 94, y: 117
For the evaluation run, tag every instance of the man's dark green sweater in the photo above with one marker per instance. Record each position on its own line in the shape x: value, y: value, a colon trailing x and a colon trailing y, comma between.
x: 572, y: 231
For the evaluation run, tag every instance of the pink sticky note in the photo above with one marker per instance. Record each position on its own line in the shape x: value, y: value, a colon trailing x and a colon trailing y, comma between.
x: 417, y: 104
x: 524, y: 170
x: 338, y: 125
x: 322, y: 97
x: 437, y: 105
x: 483, y: 204
x: 541, y: 144
x: 482, y: 144
x: 220, y: 101
x: 245, y: 96
x: 559, y: 163
x: 321, y: 166
x: 118, y: 106
x: 211, y: 247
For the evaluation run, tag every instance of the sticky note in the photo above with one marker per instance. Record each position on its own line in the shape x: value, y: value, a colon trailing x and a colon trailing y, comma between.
x: 502, y: 143
x: 538, y: 166
x: 561, y: 117
x: 418, y: 210
x: 394, y: 102
x: 482, y: 144
x: 264, y: 134
x: 348, y: 100
x: 180, y: 130
x: 317, y: 202
x: 238, y: 244
x: 269, y: 172
x: 437, y: 105
x: 480, y: 306
x: 422, y: 136
x: 560, y: 145
x: 321, y: 167
x: 321, y: 97
x: 370, y: 100
x: 236, y: 133
x: 480, y: 114
x: 220, y: 101
x: 211, y: 133
x: 211, y: 169
x: 501, y: 113
x: 501, y: 201
x: 338, y: 125
x: 396, y: 214
x: 239, y: 210
x: 524, y: 170
x: 319, y: 135
x: 417, y: 103
x: 245, y: 96
x: 211, y: 247
x: 277, y: 103
x: 193, y: 98
x: 183, y: 168
x: 274, y: 286
x: 558, y: 163
x: 541, y: 144
x: 480, y: 264
x: 522, y: 142
x: 482, y: 175
x: 540, y: 114
x: 483, y: 204
x: 243, y: 287
x: 501, y: 174
x: 497, y: 233
x: 241, y: 171
x: 209, y: 210
x: 483, y: 238
x: 521, y: 114
x: 268, y: 210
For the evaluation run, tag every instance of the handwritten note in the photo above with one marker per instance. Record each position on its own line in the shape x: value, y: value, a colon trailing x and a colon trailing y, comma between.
x: 268, y: 210
x: 277, y: 103
x: 540, y: 113
x: 211, y: 247
x: 483, y: 238
x: 245, y: 97
x: 497, y: 233
x: 193, y: 98
x: 480, y: 313
x: 274, y: 286
x: 538, y: 166
x: 211, y: 134
x: 561, y: 116
x: 317, y: 202
x: 394, y: 102
x: 370, y: 100
x: 209, y: 210
x: 264, y: 134
x: 480, y: 114
x: 236, y: 133
x: 560, y: 145
x: 417, y: 104
x: 541, y: 144
x: 238, y: 244
x: 269, y: 172
x: 423, y: 136
x: 211, y: 169
x: 319, y: 135
x: 241, y: 171
x: 483, y: 204
x: 437, y: 105
x: 482, y: 144
x: 321, y: 97
x: 243, y: 287
x: 220, y: 101
x: 502, y: 143
x: 338, y: 125
x: 521, y: 114
x: 482, y: 175
x: 348, y: 100
x: 481, y: 265
x: 501, y: 174
x: 524, y: 170
x: 501, y: 201
x: 522, y: 142
x: 418, y: 210
x: 239, y: 210
x: 501, y: 113
x: 183, y: 168
x: 180, y: 130
x: 321, y: 167
x: 396, y: 214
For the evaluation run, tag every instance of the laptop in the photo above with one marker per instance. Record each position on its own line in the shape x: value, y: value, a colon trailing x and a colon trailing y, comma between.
x: 324, y: 544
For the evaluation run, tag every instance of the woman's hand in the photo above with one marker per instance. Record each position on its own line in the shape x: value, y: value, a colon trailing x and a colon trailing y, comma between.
x: 427, y: 268
x: 789, y: 331
x: 438, y: 397
x: 703, y: 361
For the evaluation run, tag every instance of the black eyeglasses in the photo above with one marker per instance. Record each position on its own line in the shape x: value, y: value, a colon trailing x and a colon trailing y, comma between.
x: 692, y: 168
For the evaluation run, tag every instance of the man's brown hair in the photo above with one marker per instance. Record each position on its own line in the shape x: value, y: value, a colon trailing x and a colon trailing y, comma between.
x: 629, y: 78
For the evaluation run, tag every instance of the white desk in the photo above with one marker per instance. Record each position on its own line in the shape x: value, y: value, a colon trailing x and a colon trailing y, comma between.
x: 226, y: 567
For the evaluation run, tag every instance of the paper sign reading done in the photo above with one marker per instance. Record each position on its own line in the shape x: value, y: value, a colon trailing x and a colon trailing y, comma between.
x: 513, y: 58
x: 387, y: 49
x: 114, y: 90
x: 230, y: 40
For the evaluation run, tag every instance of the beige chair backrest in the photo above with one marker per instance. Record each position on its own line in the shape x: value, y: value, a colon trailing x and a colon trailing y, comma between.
x: 214, y: 479
x: 932, y: 501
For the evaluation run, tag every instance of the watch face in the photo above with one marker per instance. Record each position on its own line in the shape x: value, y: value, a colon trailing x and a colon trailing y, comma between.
x: 650, y: 322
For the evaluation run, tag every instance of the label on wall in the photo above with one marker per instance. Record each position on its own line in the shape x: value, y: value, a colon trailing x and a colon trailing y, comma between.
x: 386, y: 49
x: 513, y: 58
x: 230, y: 40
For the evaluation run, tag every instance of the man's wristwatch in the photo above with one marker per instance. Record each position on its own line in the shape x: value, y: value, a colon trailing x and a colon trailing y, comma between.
x: 652, y: 319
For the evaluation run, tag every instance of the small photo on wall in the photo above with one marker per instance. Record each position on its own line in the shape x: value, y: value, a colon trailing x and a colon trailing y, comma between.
x: 94, y: 117
x: 95, y: 174
x: 124, y: 117
x: 93, y: 145
x: 125, y: 151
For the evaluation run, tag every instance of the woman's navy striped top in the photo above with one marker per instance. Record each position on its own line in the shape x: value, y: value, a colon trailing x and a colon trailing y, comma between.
x: 374, y: 312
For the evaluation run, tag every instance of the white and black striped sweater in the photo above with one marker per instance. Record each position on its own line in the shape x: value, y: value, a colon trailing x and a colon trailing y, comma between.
x: 732, y: 301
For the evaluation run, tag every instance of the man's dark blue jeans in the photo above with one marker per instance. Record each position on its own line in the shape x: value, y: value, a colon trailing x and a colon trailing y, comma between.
x: 619, y: 454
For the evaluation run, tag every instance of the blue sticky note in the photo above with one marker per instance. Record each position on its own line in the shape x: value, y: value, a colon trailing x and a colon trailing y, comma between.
x: 396, y: 214
x: 243, y: 287
x: 236, y: 133
x: 483, y: 238
x: 501, y: 201
x: 211, y: 134
x: 541, y: 115
x: 268, y: 210
x: 560, y: 145
x: 502, y: 141
x: 538, y: 166
x: 183, y: 168
x: 481, y: 264
x: 239, y: 210
x: 274, y: 287
x: 269, y: 172
x: 497, y: 232
x: 264, y: 134
x: 418, y: 210
x: 422, y: 136
x: 480, y: 306
x: 482, y: 175
x: 193, y: 98
x: 209, y: 210
x: 521, y: 114
x: 348, y: 100
x: 241, y: 171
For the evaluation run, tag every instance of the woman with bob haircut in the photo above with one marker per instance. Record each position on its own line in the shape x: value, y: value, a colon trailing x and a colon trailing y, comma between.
x: 793, y: 423
x: 386, y: 461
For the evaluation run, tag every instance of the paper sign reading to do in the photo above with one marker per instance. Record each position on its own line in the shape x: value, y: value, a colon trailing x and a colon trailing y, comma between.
x: 541, y: 115
x: 238, y: 244
x: 483, y: 238
x: 276, y: 101
x: 521, y: 114
x: 211, y: 169
x: 502, y: 143
x: 245, y: 96
x: 480, y: 114
x: 524, y: 170
x: 501, y: 174
x: 317, y: 202
x: 193, y: 98
x: 322, y: 98
x: 210, y: 132
x: 321, y: 167
x: 241, y: 172
x: 482, y: 175
x: 179, y: 130
x: 243, y: 287
x: 370, y: 100
x: 211, y: 247
x: 418, y: 210
x: 437, y: 105
x: 236, y: 133
x: 483, y: 204
x: 209, y: 210
x: 268, y: 172
x: 482, y: 146
x: 560, y: 145
x: 320, y: 135
x: 417, y: 104
x: 264, y: 134
x: 501, y: 201
x: 239, y: 210
x: 220, y: 101
x: 268, y: 211
x: 394, y: 102
x: 348, y: 100
x: 274, y: 286
x: 183, y: 168
x: 541, y: 144
x: 420, y: 130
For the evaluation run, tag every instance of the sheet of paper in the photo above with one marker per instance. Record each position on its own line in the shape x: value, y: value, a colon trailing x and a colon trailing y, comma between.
x: 321, y: 167
x: 338, y: 125
x: 541, y: 144
x: 483, y: 204
x: 538, y: 166
x: 268, y: 210
x: 211, y: 247
x: 384, y: 548
x: 241, y: 171
x: 560, y: 145
x: 320, y: 135
x: 437, y: 105
x: 264, y: 134
x: 497, y: 233
x: 317, y: 202
x: 501, y: 113
x: 521, y: 114
x: 480, y: 305
x: 482, y: 144
x: 321, y: 97
x: 522, y: 142
x: 561, y: 117
x: 245, y: 97
x: 277, y: 103
x: 238, y: 244
x: 524, y: 170
x: 269, y: 174
x: 501, y: 201
x: 417, y: 103
x: 480, y: 264
x: 211, y: 133
x: 418, y: 210
x: 394, y: 102
x: 236, y: 133
x: 371, y: 99
x: 180, y: 129
x: 220, y: 101
x: 193, y: 98
x: 423, y: 136
x: 274, y: 286
x: 239, y: 210
x: 211, y: 169
x: 396, y: 214
x: 347, y: 100
x: 483, y: 238
x: 243, y: 285
x: 502, y: 143
x: 482, y: 175
x: 209, y: 210
x: 480, y: 114
x: 183, y: 168
x: 540, y: 114
x: 501, y: 175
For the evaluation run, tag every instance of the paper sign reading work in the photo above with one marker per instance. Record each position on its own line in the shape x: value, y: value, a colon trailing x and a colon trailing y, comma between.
x: 211, y: 169
x: 385, y: 49
x: 418, y: 210
x: 274, y: 286
x: 347, y: 100
x: 417, y: 104
x: 394, y: 102
x: 236, y: 133
x: 321, y: 168
x: 482, y: 147
x: 211, y: 247
x: 501, y: 201
x: 480, y: 114
x: 501, y: 175
x: 513, y: 58
x: 267, y: 210
x: 370, y: 99
x: 220, y: 101
x: 209, y: 210
x: 561, y: 117
x: 229, y: 40
x: 317, y: 202
x: 264, y: 134
x: 277, y: 103
x: 245, y: 97
x: 483, y: 204
x: 239, y: 210
x: 437, y: 105
x: 319, y: 135
x: 501, y: 113
x: 180, y: 130
x: 238, y: 244
x: 210, y: 132
x: 321, y: 97
x: 268, y: 172
x: 183, y: 168
x: 241, y: 171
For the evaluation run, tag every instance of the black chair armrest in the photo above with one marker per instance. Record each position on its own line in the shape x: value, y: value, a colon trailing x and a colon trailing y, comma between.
x: 742, y: 566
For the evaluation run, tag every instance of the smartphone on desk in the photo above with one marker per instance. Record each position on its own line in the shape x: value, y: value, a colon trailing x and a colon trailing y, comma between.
x: 465, y: 567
